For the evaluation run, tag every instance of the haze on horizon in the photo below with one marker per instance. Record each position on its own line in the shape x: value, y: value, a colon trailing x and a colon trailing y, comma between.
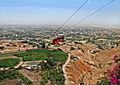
x: 56, y: 12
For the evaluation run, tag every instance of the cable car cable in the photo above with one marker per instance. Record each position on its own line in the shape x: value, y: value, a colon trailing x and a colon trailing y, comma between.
x: 93, y: 13
x: 73, y: 14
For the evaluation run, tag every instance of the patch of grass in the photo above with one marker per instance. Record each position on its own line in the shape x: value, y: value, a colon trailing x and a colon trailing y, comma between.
x: 6, y: 55
x: 10, y: 54
x: 58, y: 56
x: 37, y: 56
x: 42, y: 54
x: 10, y: 62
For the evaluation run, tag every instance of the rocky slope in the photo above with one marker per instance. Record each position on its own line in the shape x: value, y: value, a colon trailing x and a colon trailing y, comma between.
x: 86, y: 63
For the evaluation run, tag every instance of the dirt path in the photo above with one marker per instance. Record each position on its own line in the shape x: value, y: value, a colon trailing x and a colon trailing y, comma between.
x: 1, y: 58
x: 65, y: 74
x: 25, y: 75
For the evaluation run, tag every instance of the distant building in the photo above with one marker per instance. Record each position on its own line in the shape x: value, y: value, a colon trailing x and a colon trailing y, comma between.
x: 32, y: 65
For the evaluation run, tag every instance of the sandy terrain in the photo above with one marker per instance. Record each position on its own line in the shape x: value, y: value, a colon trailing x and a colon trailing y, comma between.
x: 82, y: 65
x: 31, y: 75
x: 7, y: 46
x: 10, y: 82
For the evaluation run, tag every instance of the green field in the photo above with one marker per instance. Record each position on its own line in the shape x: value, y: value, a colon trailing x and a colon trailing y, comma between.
x: 31, y: 55
x: 7, y: 54
x: 42, y: 54
x: 10, y: 54
x: 10, y: 62
x: 52, y: 70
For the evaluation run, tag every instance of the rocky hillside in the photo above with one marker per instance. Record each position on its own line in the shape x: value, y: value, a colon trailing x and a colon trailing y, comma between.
x: 87, y: 63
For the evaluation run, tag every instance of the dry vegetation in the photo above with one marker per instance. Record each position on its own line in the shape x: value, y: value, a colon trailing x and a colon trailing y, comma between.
x: 7, y: 46
x: 32, y: 75
x: 10, y: 82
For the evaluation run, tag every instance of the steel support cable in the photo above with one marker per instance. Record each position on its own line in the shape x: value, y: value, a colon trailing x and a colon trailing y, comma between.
x: 73, y: 14
x: 93, y: 13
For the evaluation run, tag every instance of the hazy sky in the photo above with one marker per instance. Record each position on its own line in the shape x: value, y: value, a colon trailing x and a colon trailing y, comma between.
x: 57, y: 11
